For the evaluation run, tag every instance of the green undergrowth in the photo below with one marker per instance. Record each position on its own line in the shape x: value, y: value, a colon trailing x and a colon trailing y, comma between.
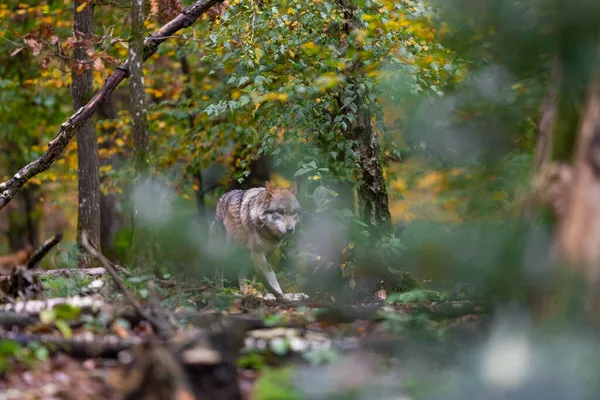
x: 63, y: 286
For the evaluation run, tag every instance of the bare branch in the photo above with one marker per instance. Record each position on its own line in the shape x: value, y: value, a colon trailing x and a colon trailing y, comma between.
x: 68, y: 129
x: 158, y: 326
x: 43, y: 250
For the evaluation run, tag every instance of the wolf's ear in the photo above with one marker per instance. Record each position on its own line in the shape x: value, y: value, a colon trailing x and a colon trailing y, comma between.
x: 294, y: 188
x: 269, y: 187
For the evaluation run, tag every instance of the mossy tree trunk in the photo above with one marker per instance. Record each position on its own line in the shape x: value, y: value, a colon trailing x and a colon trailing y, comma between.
x: 142, y: 238
x: 88, y: 161
x: 372, y: 193
x: 571, y: 129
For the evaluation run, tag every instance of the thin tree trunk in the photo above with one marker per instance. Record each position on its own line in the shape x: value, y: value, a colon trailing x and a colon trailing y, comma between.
x: 197, y: 173
x: 142, y: 246
x: 543, y: 145
x: 141, y: 143
x: 88, y: 215
x: 372, y: 193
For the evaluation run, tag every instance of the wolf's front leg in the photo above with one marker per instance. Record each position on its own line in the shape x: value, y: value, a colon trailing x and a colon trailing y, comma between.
x: 262, y: 266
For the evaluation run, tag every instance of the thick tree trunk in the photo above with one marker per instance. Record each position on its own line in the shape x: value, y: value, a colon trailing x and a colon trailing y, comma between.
x: 88, y: 213
x: 372, y: 193
x: 578, y: 236
x: 142, y: 240
x: 576, y: 155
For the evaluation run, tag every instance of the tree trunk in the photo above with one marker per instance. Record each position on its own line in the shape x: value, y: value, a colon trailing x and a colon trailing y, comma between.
x: 141, y: 143
x: 576, y: 152
x: 548, y: 116
x: 372, y: 193
x: 88, y: 212
x: 578, y: 233
x: 142, y: 240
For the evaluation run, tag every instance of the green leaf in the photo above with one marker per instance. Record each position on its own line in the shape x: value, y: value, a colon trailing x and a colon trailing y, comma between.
x: 320, y: 195
x: 414, y: 296
x: 64, y: 328
x: 302, y: 171
x: 41, y: 353
x: 9, y: 347
x: 47, y: 316
x: 66, y: 312
x: 279, y: 346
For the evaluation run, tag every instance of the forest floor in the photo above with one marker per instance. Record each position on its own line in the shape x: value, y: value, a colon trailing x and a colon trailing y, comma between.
x: 94, y: 344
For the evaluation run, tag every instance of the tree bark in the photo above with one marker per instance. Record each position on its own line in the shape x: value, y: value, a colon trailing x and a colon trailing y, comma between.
x: 372, y: 193
x: 578, y: 235
x: 142, y: 240
x: 576, y: 149
x: 69, y: 128
x: 141, y: 142
x: 543, y: 145
x: 88, y: 211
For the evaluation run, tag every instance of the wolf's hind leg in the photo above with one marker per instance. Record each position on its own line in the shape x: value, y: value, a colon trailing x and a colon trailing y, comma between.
x: 266, y: 273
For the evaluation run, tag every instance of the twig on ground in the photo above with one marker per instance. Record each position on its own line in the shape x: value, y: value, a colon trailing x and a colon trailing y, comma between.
x: 161, y: 329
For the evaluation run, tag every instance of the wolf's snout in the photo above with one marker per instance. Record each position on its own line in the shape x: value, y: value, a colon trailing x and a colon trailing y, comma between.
x: 290, y: 229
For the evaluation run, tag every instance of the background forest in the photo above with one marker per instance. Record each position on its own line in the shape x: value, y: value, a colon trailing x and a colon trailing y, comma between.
x: 445, y: 156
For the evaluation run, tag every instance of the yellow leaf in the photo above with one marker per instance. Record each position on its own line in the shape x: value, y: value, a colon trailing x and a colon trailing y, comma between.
x: 81, y: 6
x: 429, y: 180
x: 352, y: 283
x: 500, y: 195
x: 258, y: 53
x: 279, y: 181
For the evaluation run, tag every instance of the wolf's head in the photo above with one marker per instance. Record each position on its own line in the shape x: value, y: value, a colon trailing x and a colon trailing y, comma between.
x: 281, y: 210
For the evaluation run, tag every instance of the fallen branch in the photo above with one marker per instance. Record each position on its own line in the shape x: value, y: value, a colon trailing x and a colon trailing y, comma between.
x: 37, y: 256
x: 11, y: 320
x: 66, y: 272
x: 162, y: 329
x: 87, y: 305
x: 69, y: 128
x: 80, y: 346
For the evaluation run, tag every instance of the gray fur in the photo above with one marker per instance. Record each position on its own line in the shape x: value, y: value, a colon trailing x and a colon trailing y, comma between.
x: 259, y: 218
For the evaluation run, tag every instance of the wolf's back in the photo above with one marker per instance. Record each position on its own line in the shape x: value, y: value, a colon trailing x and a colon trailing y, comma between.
x: 234, y: 211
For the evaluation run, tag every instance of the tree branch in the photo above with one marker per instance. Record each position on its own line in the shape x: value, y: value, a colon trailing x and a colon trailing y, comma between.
x: 68, y: 129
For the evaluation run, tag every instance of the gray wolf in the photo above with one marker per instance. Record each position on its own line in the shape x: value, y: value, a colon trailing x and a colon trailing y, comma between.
x: 259, y: 219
